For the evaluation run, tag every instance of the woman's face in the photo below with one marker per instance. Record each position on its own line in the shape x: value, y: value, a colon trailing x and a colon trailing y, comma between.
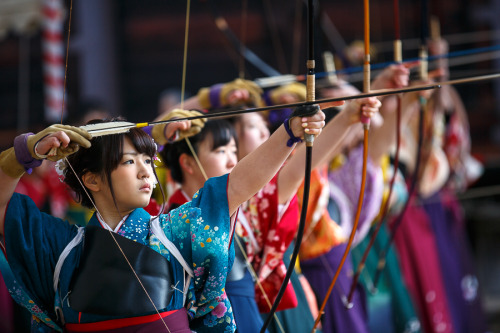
x: 252, y: 131
x: 219, y: 161
x: 133, y: 179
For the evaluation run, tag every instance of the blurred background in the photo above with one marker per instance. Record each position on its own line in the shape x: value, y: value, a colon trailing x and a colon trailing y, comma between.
x: 126, y: 58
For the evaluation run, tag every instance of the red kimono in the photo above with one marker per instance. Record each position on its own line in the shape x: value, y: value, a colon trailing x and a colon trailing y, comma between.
x: 268, y: 231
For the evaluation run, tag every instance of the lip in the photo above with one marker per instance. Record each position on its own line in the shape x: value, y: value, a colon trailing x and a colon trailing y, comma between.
x: 145, y: 187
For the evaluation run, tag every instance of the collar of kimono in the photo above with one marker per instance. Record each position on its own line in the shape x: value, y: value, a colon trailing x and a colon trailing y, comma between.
x: 134, y: 226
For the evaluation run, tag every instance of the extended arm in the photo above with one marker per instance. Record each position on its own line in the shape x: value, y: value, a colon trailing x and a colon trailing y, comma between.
x: 259, y: 167
x: 326, y: 145
x: 13, y: 162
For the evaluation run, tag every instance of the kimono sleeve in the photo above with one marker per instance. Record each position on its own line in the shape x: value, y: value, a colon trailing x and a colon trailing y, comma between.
x: 345, y: 185
x: 212, y: 254
x: 33, y: 242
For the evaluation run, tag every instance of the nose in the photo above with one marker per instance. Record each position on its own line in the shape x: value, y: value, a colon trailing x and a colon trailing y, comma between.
x: 264, y: 132
x: 145, y: 170
x: 232, y: 160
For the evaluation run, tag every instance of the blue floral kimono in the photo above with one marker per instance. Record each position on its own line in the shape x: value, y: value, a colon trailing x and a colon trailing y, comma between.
x: 199, y: 229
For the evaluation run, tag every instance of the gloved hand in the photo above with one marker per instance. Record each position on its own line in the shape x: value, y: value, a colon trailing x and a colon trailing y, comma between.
x: 10, y: 165
x: 59, y: 148
x: 289, y: 93
x: 218, y: 95
x: 54, y: 142
x: 195, y: 127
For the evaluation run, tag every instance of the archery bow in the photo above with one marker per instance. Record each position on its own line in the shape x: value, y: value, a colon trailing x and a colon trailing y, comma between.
x: 398, y: 57
x: 413, y: 185
x: 366, y: 125
x: 309, y: 140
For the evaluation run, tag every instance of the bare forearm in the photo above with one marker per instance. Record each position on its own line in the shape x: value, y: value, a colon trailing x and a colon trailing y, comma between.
x: 383, y: 137
x: 257, y: 169
x: 326, y: 144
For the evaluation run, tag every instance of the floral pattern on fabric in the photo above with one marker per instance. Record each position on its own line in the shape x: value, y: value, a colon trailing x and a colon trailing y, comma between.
x: 186, y: 223
x: 206, y: 241
x: 273, y: 235
x: 45, y: 323
x: 200, y: 230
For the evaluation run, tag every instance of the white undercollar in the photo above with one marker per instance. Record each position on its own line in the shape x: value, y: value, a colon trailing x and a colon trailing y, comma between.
x: 106, y: 226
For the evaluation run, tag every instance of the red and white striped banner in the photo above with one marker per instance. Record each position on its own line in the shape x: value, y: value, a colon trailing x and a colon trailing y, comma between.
x: 53, y: 59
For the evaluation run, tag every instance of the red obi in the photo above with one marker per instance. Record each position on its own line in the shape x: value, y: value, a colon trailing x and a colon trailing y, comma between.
x: 176, y: 321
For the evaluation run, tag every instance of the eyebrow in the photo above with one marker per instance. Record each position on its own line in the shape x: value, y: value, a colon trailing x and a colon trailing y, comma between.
x: 131, y: 153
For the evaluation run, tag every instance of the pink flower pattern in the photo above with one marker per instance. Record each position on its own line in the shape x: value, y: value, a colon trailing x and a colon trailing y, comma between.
x: 273, y: 237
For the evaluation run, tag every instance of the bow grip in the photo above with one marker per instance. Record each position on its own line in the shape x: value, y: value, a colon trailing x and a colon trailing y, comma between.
x: 365, y: 121
x: 306, y: 111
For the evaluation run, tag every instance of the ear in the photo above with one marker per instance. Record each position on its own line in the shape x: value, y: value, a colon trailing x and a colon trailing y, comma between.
x: 187, y: 163
x: 92, y: 181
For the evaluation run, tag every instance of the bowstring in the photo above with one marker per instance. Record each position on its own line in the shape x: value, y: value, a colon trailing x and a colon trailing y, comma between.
x: 66, y: 62
x: 184, y: 61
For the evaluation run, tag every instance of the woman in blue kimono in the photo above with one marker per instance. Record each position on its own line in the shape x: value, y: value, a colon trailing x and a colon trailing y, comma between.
x: 104, y: 277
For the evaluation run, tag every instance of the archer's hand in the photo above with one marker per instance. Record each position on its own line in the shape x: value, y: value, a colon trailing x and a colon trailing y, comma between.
x: 308, y: 125
x: 288, y: 93
x: 235, y: 92
x: 393, y: 77
x: 367, y: 107
x: 164, y: 132
x: 57, y: 141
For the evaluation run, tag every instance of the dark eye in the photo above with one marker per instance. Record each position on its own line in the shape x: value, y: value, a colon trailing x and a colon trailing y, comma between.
x: 128, y: 162
x: 148, y: 161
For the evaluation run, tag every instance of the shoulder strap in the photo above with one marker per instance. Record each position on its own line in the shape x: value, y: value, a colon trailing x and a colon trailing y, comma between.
x: 74, y: 242
x: 160, y: 234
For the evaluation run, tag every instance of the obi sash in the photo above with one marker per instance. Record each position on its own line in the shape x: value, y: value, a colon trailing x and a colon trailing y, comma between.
x: 104, y: 283
x: 176, y: 321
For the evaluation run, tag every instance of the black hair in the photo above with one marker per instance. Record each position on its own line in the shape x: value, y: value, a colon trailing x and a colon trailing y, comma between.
x: 219, y: 130
x: 103, y: 157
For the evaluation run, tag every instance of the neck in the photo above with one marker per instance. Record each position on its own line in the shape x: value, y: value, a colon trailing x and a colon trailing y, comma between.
x: 111, y: 216
x: 189, y: 190
x: 190, y: 186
